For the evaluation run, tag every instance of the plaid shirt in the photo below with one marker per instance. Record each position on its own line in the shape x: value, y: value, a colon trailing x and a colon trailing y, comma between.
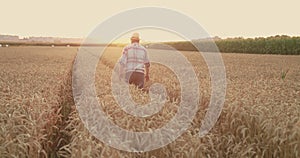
x: 134, y: 57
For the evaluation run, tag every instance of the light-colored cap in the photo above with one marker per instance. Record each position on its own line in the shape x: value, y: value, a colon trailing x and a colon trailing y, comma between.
x: 135, y: 36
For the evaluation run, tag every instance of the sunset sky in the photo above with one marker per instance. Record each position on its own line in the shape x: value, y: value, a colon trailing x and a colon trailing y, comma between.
x: 230, y: 18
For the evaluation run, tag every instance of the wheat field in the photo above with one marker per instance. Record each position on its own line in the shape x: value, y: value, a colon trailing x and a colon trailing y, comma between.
x: 260, y: 118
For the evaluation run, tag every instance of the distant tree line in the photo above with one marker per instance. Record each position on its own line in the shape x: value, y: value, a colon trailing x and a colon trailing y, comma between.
x: 270, y: 45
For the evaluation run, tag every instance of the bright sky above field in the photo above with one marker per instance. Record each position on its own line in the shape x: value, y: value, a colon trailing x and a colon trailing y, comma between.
x: 230, y: 18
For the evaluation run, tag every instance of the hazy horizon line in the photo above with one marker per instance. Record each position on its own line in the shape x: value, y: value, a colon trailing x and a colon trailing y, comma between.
x: 149, y: 41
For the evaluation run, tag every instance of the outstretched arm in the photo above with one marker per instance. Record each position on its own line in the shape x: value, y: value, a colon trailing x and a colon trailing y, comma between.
x: 121, y: 71
x: 122, y: 62
x: 147, y: 66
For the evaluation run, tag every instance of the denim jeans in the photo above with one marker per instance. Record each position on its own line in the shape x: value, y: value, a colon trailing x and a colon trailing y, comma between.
x: 136, y: 78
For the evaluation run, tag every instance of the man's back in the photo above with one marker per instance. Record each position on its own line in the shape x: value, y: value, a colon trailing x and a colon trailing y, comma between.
x: 134, y: 56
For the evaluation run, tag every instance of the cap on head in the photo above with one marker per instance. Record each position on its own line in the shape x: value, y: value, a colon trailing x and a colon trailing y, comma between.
x: 135, y: 36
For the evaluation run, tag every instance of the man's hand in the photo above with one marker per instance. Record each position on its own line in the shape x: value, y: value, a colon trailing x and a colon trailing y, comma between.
x: 147, y: 78
x: 120, y: 77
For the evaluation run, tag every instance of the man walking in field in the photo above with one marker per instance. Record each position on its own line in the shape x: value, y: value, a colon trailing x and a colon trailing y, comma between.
x: 134, y: 62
